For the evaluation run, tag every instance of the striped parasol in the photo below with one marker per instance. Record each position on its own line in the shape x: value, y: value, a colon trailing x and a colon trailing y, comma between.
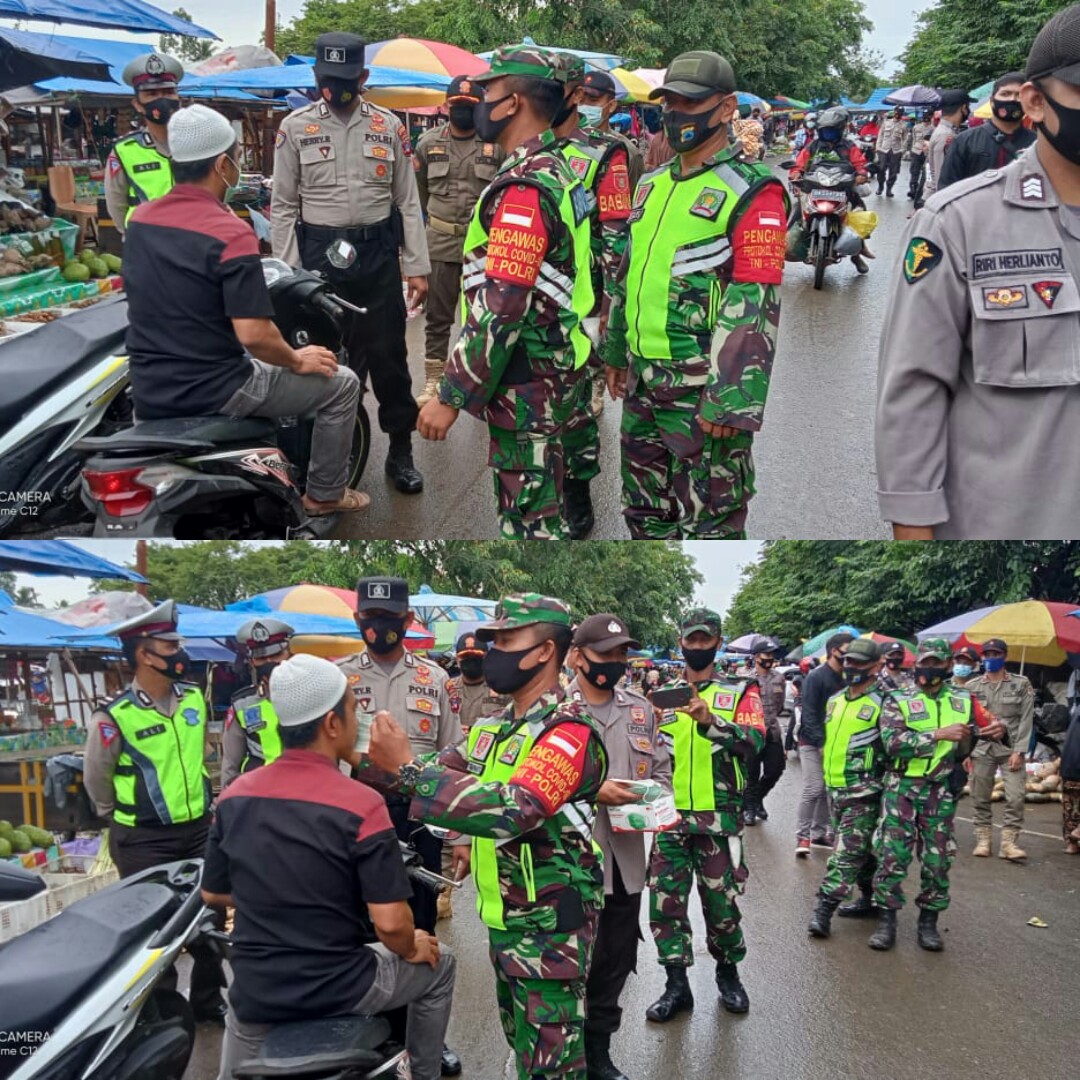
x: 421, y: 55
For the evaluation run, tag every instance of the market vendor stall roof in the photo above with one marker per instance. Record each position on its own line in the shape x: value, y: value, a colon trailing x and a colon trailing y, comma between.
x: 59, y: 557
x: 134, y: 15
x: 20, y: 631
x: 26, y: 58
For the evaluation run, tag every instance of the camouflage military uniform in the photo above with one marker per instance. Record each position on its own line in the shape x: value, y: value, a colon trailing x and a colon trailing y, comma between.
x: 709, y: 357
x: 895, y: 680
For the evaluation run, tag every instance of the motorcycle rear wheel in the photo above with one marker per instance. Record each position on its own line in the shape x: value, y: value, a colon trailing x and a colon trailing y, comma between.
x: 361, y: 446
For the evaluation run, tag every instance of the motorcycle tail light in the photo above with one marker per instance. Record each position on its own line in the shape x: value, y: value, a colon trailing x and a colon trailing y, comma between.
x: 119, y: 491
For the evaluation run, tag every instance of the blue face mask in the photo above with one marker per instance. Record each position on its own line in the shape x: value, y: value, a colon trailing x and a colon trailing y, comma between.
x: 963, y: 670
x: 993, y: 663
x: 829, y: 135
x: 591, y: 113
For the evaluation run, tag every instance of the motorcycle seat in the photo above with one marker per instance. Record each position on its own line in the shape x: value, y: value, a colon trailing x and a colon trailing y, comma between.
x: 47, y: 971
x: 193, y: 433
x: 37, y: 363
x: 315, y: 1048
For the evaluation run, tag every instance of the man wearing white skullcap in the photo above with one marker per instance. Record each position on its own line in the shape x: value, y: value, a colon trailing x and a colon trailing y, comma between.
x: 302, y: 852
x: 201, y: 339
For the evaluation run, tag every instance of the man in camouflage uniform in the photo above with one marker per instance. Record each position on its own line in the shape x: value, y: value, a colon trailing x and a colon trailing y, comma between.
x: 693, y: 325
x: 524, y: 786
x: 926, y: 731
x: 768, y: 766
x: 853, y: 770
x: 711, y: 742
x: 453, y: 166
x: 893, y: 675
x: 526, y: 279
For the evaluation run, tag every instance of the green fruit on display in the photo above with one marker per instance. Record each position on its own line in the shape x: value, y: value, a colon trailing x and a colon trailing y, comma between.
x: 20, y: 842
x: 87, y: 256
x: 6, y: 829
x: 98, y: 269
x: 5, y: 848
x: 112, y: 262
x: 76, y: 271
x: 38, y: 837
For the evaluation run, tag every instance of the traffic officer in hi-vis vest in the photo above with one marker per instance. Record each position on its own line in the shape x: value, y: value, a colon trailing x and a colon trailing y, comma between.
x: 342, y: 171
x: 711, y: 741
x: 387, y: 676
x: 524, y: 785
x: 139, y: 167
x: 251, y: 734
x: 853, y: 766
x: 635, y: 752
x: 693, y: 327
x: 926, y: 731
x: 453, y: 167
x: 144, y: 767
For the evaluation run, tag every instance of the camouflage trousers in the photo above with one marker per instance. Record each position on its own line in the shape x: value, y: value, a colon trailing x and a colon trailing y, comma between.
x: 677, y: 481
x: 528, y: 483
x: 915, y: 813
x: 540, y: 989
x: 855, y: 821
x: 581, y: 436
x: 676, y: 859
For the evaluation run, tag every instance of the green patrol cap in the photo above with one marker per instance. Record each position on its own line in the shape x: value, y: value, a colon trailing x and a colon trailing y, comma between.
x: 936, y: 647
x: 525, y: 609
x: 697, y: 74
x: 863, y: 651
x: 703, y: 619
x: 575, y: 67
x: 528, y: 60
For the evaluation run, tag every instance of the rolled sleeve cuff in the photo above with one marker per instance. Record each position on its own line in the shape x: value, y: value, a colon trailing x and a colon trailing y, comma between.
x: 914, y: 507
x: 418, y: 267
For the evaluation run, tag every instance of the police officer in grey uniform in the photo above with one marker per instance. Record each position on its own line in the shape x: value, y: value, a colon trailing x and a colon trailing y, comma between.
x: 920, y: 137
x: 154, y: 78
x: 635, y: 752
x: 453, y: 166
x: 387, y: 676
x: 955, y: 110
x: 980, y: 351
x: 342, y: 172
x: 251, y: 728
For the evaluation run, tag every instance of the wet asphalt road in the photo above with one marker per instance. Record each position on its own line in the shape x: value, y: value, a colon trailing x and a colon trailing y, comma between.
x: 815, y: 455
x: 1000, y: 1001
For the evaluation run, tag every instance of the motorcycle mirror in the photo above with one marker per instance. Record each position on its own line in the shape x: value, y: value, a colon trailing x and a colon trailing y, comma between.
x: 787, y: 164
x: 341, y: 254
x: 442, y: 834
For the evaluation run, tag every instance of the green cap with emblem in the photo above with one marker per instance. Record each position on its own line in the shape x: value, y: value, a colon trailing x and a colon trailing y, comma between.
x: 528, y: 60
x: 525, y: 609
x: 936, y: 648
x: 863, y: 651
x: 697, y: 74
x: 700, y: 619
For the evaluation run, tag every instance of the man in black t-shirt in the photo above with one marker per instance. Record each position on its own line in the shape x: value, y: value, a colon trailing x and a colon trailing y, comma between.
x: 310, y: 861
x: 200, y: 310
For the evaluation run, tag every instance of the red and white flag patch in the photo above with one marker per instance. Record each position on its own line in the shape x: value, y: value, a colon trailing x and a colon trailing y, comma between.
x: 518, y: 240
x: 553, y: 769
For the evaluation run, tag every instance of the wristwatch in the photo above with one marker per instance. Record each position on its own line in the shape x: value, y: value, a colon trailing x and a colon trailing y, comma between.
x: 409, y: 773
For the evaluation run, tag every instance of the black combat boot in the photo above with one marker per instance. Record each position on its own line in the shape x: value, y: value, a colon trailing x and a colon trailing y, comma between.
x: 929, y: 938
x: 598, y: 1063
x: 676, y: 997
x: 760, y: 811
x: 863, y: 908
x: 400, y: 467
x: 884, y: 937
x: 733, y: 995
x: 578, y: 506
x: 749, y: 814
x: 821, y: 920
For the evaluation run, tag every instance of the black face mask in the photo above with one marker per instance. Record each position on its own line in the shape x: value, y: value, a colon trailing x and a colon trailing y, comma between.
x: 177, y: 665
x: 461, y: 116
x: 853, y: 676
x: 1066, y: 140
x: 489, y: 130
x: 565, y: 109
x: 338, y: 93
x: 699, y: 659
x: 685, y: 131
x: 161, y: 109
x: 383, y: 633
x: 472, y: 667
x: 932, y: 676
x: 265, y: 670
x: 502, y: 670
x: 1010, y: 112
x: 604, y: 676
x: 894, y: 665
x: 766, y: 664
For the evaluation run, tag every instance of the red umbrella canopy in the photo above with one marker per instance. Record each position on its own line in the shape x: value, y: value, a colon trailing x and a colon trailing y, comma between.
x: 909, y: 656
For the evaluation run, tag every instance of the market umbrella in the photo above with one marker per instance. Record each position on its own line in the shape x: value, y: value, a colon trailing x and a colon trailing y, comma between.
x: 817, y: 642
x: 107, y: 14
x: 952, y: 629
x: 629, y: 86
x: 419, y: 54
x: 909, y: 647
x: 603, y: 61
x: 747, y: 643
x: 432, y: 607
x: 913, y: 95
x: 753, y: 101
x: 1036, y: 631
x: 786, y: 103
x: 27, y: 58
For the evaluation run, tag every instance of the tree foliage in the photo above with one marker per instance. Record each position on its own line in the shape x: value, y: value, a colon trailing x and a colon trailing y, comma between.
x: 965, y: 43
x: 810, y: 49
x: 648, y: 584
x: 189, y: 49
x: 801, y: 587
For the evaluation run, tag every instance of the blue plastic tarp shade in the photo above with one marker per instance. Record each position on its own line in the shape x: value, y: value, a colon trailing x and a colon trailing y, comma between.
x: 223, y: 625
x: 874, y: 103
x: 50, y: 47
x: 301, y: 76
x: 58, y: 557
x: 21, y: 631
x: 109, y: 14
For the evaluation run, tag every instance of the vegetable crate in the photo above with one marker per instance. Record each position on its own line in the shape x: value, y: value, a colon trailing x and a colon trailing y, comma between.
x: 67, y: 882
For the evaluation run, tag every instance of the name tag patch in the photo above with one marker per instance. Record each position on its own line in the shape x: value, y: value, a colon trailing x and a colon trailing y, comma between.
x: 147, y: 166
x: 1002, y: 297
x: 146, y: 733
x: 1004, y: 262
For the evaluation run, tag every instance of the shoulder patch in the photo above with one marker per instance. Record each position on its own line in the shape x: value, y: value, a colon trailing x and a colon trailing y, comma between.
x: 921, y: 257
x: 518, y: 239
x: 280, y: 139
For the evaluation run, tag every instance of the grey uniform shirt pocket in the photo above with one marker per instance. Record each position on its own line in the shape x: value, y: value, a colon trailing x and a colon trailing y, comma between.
x: 318, y: 165
x: 422, y: 723
x: 1025, y: 332
x: 438, y: 176
x: 378, y: 164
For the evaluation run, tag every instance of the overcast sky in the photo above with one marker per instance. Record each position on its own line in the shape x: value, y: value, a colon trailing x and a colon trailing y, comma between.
x: 240, y: 22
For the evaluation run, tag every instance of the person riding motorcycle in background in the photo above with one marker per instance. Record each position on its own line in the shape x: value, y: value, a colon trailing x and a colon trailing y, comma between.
x: 806, y: 133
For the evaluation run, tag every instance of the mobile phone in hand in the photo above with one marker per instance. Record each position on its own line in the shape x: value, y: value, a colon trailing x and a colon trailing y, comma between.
x: 673, y: 697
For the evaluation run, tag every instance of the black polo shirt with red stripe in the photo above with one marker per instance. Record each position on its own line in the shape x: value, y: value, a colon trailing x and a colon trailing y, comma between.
x: 302, y: 849
x: 190, y: 267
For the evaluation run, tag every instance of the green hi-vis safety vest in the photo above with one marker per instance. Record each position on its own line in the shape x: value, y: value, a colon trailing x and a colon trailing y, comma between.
x: 696, y: 778
x: 576, y: 296
x: 678, y: 241
x: 258, y: 718
x: 501, y: 867
x: 852, y: 738
x: 584, y: 162
x: 160, y: 777
x: 923, y: 713
x: 149, y: 172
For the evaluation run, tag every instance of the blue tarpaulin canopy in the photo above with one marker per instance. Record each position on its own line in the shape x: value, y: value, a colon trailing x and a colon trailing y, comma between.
x: 18, y: 630
x: 26, y: 57
x: 874, y: 103
x: 301, y: 76
x: 108, y: 14
x: 58, y: 557
x: 444, y: 607
x: 196, y: 622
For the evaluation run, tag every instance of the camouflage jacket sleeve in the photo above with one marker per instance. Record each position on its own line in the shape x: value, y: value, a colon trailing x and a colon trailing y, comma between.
x: 614, y: 195
x: 500, y: 281
x: 614, y: 345
x: 567, y: 763
x: 744, y: 341
x: 898, y: 739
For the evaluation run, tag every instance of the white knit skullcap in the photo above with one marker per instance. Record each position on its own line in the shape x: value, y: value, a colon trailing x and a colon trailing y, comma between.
x: 305, y: 688
x: 198, y: 134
